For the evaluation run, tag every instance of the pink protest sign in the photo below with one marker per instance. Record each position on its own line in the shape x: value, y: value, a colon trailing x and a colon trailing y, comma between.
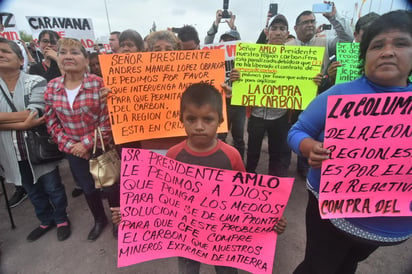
x: 369, y: 172
x: 215, y: 216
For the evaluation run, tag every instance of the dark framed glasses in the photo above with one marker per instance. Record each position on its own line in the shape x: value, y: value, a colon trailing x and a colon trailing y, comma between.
x: 47, y: 41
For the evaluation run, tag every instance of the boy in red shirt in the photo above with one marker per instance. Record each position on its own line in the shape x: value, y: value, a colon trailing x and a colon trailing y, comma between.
x: 201, y: 114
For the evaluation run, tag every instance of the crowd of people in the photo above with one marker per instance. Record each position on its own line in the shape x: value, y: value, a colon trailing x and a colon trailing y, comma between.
x: 63, y: 88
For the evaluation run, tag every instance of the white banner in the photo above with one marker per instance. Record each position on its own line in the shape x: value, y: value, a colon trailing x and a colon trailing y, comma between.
x: 79, y: 28
x: 8, y: 27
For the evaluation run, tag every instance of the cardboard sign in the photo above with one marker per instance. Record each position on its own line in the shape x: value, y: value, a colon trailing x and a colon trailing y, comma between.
x: 348, y: 55
x: 369, y: 172
x: 147, y: 87
x: 8, y: 28
x: 215, y: 216
x: 276, y: 76
x: 79, y: 28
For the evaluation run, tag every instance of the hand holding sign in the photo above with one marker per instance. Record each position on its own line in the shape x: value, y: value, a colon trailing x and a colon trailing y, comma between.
x: 275, y: 75
x: 146, y: 88
x: 215, y: 216
x: 369, y: 172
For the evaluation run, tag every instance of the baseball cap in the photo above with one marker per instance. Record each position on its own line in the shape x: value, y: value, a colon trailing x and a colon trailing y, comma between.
x: 278, y: 18
x: 233, y: 34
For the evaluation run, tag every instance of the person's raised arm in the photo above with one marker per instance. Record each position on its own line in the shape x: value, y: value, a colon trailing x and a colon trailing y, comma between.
x: 341, y: 26
x: 210, y: 36
x: 231, y: 21
x: 29, y: 56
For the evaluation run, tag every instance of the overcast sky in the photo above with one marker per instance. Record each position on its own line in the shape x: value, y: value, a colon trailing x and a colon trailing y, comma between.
x: 140, y: 14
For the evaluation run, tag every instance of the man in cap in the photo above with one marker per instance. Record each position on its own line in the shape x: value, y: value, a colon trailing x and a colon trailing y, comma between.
x: 233, y: 33
x: 273, y: 121
x: 236, y: 115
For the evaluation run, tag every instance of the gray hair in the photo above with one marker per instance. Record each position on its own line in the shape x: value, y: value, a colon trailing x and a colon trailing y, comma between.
x: 14, y: 47
x: 164, y: 35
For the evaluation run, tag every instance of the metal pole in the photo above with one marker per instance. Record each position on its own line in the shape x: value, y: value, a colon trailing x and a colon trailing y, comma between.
x: 107, y: 16
x: 13, y: 226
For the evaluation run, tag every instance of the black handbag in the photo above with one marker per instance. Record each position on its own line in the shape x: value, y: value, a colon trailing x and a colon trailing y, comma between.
x: 40, y: 145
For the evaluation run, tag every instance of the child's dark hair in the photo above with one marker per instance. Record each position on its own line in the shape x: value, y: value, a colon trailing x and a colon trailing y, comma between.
x: 133, y: 36
x: 188, y: 33
x: 201, y: 94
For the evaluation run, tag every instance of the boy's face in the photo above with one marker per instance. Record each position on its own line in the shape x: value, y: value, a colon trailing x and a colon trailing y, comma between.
x: 201, y: 125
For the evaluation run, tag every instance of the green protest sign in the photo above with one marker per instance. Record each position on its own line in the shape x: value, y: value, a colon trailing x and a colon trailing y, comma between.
x: 276, y: 76
x: 348, y: 55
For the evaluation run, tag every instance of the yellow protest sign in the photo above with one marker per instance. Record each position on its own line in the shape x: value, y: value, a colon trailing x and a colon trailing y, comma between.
x: 147, y: 87
x: 276, y: 76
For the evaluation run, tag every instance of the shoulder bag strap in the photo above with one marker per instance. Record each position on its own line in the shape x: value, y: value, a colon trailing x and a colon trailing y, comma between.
x: 98, y: 131
x: 8, y: 100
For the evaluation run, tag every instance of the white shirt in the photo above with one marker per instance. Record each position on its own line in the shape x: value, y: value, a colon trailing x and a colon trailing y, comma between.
x: 71, y: 95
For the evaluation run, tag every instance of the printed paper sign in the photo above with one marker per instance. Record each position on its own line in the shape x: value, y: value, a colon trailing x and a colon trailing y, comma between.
x: 276, y: 76
x: 8, y: 28
x: 348, y: 55
x: 370, y: 170
x: 79, y: 28
x: 147, y: 87
x: 215, y: 216
x: 230, y: 52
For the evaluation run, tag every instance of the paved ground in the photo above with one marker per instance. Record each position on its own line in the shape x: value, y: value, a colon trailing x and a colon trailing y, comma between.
x: 77, y: 255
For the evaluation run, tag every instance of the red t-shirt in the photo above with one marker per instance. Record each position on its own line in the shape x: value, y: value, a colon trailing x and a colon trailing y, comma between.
x: 222, y: 156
